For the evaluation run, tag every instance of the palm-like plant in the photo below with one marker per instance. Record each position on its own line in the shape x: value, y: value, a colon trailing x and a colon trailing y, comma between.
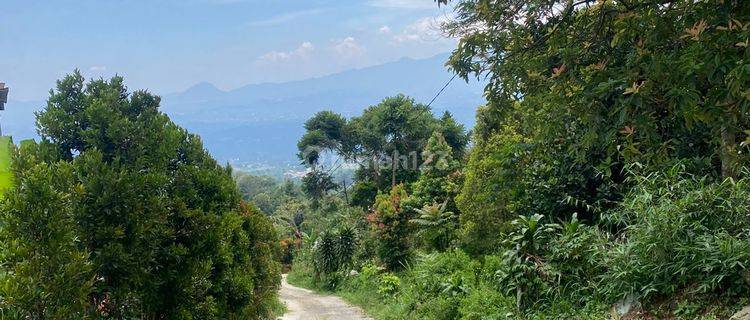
x: 326, y: 253
x: 346, y: 246
x: 435, y: 225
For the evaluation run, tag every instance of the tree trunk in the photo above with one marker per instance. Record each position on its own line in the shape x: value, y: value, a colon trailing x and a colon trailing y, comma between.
x: 393, y: 169
x: 375, y: 165
x: 728, y: 153
x: 346, y: 194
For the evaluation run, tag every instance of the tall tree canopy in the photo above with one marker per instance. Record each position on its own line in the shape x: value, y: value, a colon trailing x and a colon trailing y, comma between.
x: 147, y: 223
x: 627, y: 81
x: 580, y: 90
x: 440, y: 175
x: 386, y: 140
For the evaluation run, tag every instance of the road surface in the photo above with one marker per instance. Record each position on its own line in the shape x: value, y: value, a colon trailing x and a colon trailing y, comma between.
x: 303, y: 304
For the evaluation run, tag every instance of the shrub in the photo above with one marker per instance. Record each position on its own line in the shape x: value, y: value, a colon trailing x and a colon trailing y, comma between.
x: 326, y: 257
x: 47, y: 275
x: 388, y: 284
x: 485, y: 302
x: 438, y: 282
x: 526, y: 273
x: 575, y: 254
x: 681, y: 231
x: 510, y: 174
x: 346, y: 246
x: 389, y: 222
x: 435, y: 226
x: 545, y: 262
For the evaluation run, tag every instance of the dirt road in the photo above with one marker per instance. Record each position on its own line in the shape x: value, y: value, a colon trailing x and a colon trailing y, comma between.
x: 303, y: 304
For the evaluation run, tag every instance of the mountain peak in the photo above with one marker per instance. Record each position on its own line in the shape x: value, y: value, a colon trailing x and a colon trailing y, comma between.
x: 203, y: 87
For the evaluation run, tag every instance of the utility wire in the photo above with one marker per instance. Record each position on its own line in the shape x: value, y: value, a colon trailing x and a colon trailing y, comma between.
x: 441, y: 90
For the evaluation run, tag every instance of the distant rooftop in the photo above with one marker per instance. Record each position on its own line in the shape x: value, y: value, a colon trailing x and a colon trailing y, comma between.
x: 3, y: 95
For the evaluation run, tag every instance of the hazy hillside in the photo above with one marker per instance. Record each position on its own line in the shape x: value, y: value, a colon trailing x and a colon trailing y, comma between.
x: 259, y: 124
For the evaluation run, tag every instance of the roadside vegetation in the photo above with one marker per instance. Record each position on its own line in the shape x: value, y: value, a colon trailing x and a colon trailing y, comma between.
x: 606, y: 176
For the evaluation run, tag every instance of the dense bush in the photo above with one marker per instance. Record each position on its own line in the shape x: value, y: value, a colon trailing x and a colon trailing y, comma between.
x: 119, y: 213
x: 435, y: 226
x: 49, y: 273
x: 681, y: 231
x: 388, y: 284
x: 390, y: 225
x: 438, y: 283
x: 447, y: 285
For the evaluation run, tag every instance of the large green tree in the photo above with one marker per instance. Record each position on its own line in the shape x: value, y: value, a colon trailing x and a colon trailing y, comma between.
x: 158, y: 223
x: 386, y: 141
x: 440, y: 176
x: 580, y: 90
x: 635, y: 81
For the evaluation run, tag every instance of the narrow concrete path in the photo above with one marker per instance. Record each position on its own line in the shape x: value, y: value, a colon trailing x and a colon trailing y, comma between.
x: 303, y: 304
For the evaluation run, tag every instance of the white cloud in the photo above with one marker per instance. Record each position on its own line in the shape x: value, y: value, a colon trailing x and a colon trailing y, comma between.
x: 403, y: 4
x: 384, y: 30
x: 306, y: 47
x: 302, y: 52
x: 97, y: 68
x: 348, y: 48
x: 427, y: 29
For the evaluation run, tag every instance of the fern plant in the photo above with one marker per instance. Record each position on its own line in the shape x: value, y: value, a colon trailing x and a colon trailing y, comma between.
x: 435, y: 226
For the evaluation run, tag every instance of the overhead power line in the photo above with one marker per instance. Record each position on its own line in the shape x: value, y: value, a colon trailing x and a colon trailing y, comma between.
x: 442, y: 89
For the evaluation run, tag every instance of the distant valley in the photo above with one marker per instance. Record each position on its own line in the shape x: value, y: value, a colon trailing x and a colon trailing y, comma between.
x: 255, y: 127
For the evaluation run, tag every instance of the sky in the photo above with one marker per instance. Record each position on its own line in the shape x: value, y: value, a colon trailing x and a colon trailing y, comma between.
x: 167, y: 46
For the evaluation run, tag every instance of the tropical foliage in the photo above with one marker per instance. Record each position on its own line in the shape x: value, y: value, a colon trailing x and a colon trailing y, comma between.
x: 120, y: 213
x: 607, y: 168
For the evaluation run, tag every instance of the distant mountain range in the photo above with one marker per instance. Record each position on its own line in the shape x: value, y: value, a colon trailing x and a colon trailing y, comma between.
x: 258, y: 125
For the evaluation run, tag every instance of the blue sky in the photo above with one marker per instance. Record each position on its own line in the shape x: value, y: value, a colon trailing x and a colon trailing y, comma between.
x: 169, y: 45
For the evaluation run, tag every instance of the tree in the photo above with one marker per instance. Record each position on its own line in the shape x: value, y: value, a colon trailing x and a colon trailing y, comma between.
x: 317, y: 184
x: 267, y: 193
x: 439, y: 179
x: 47, y: 273
x: 252, y: 185
x: 386, y: 141
x: 158, y: 222
x: 329, y: 131
x: 579, y: 91
x: 637, y: 81
x: 455, y: 135
x: 395, y: 129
